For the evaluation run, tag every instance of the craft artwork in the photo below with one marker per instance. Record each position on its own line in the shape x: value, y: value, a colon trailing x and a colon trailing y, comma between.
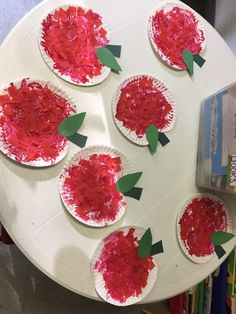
x: 202, y: 216
x: 177, y: 35
x: 142, y: 101
x: 121, y: 276
x: 37, y: 120
x: 88, y: 186
x: 72, y: 42
x: 30, y: 112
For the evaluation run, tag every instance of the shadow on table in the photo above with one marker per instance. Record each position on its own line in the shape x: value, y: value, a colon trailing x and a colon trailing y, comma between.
x: 91, y: 232
x: 36, y: 174
x: 70, y: 256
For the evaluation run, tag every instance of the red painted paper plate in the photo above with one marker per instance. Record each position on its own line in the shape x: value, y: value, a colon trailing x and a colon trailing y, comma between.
x: 30, y: 111
x: 174, y: 27
x: 142, y: 100
x: 202, y: 215
x: 87, y: 185
x: 120, y: 276
x: 68, y: 39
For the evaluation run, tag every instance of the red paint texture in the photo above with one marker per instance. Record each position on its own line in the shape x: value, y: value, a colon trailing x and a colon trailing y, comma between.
x: 125, y: 274
x: 141, y: 103
x: 91, y: 186
x: 29, y: 116
x: 175, y: 31
x: 71, y: 37
x: 201, y: 218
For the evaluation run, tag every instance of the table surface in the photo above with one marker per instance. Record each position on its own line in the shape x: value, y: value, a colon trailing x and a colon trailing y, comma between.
x: 30, y: 205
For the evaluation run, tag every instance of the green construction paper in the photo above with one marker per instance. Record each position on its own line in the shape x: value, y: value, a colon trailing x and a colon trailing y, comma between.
x: 145, y: 244
x: 115, y: 50
x: 219, y: 251
x: 107, y: 58
x: 134, y: 193
x: 188, y: 61
x: 71, y: 125
x: 78, y: 139
x: 152, y: 137
x: 157, y: 248
x: 221, y: 237
x: 163, y: 139
x: 199, y: 60
x: 127, y: 182
x: 200, y: 298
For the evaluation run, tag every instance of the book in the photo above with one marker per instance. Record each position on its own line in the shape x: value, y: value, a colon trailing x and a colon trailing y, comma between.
x: 231, y: 274
x: 208, y: 295
x: 219, y: 291
x: 200, y: 298
x: 176, y: 304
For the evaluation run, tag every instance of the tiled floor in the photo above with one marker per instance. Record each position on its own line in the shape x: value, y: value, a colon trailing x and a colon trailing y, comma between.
x: 26, y: 290
x: 23, y: 288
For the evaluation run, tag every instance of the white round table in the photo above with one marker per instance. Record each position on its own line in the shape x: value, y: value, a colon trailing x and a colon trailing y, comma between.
x: 30, y: 205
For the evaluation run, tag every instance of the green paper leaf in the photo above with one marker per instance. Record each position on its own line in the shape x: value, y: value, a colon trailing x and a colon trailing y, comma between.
x: 152, y: 137
x: 78, y: 139
x: 107, y: 58
x: 199, y: 60
x: 219, y: 251
x: 127, y: 182
x: 115, y: 50
x: 221, y: 237
x: 71, y: 125
x: 145, y: 244
x: 134, y: 193
x: 188, y: 61
x: 157, y: 248
x: 163, y: 139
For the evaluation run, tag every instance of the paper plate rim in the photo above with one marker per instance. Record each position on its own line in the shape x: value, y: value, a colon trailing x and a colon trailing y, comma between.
x: 201, y: 27
x: 39, y: 163
x: 97, y: 276
x: 83, y: 153
x: 131, y: 135
x: 194, y: 258
x: 50, y: 63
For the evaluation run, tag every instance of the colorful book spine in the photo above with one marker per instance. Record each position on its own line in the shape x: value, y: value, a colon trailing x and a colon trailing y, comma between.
x: 208, y: 295
x: 176, y: 304
x: 230, y: 283
x: 200, y: 300
x: 219, y: 291
x: 231, y: 274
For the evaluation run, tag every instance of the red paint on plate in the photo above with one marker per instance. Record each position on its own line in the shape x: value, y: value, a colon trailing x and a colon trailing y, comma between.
x: 141, y: 103
x: 71, y: 37
x: 29, y: 116
x: 202, y: 217
x: 91, y: 187
x: 175, y: 31
x: 124, y: 273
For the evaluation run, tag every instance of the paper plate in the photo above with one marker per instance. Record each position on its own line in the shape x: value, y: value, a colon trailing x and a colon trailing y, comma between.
x: 98, y: 277
x: 131, y: 135
x: 184, y: 246
x: 5, y: 147
x: 85, y: 154
x: 105, y: 71
x: 168, y: 6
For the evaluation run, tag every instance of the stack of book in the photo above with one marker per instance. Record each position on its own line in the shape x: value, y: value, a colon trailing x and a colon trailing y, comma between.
x: 217, y: 142
x: 215, y: 295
